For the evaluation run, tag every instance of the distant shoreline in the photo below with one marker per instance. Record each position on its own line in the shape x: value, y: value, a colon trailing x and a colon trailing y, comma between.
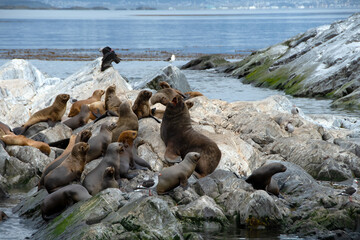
x: 91, y: 54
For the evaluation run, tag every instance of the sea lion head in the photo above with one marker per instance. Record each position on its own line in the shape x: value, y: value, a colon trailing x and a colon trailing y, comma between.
x: 189, y: 104
x: 62, y: 98
x: 164, y: 84
x: 109, y: 172
x: 80, y: 149
x: 45, y: 148
x: 85, y: 135
x: 115, y: 148
x: 98, y: 93
x: 111, y: 89
x: 176, y: 105
x: 193, y: 156
x: 127, y: 137
x: 145, y: 94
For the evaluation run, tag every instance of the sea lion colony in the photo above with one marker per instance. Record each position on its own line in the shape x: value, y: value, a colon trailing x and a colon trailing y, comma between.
x: 114, y: 145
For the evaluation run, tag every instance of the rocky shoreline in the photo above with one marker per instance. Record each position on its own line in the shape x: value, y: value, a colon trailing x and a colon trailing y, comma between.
x: 321, y: 153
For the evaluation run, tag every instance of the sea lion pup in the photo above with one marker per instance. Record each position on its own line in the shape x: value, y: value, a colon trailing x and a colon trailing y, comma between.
x: 171, y: 177
x: 112, y: 102
x: 109, y: 56
x: 127, y: 121
x: 98, y: 108
x: 75, y: 108
x: 69, y: 170
x: 5, y: 129
x: 180, y: 138
x: 99, y: 143
x: 261, y: 177
x: 93, y: 180
x: 51, y: 114
x: 21, y: 140
x: 3, y: 216
x: 80, y: 119
x: 141, y: 106
x: 81, y: 137
x: 55, y: 203
x: 136, y: 162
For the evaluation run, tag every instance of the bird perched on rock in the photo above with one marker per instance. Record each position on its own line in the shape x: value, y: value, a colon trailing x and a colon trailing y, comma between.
x: 149, y: 184
x: 350, y: 190
x: 289, y: 128
x: 171, y: 59
x: 294, y: 110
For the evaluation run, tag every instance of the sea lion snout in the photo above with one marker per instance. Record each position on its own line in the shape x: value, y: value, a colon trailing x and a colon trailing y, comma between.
x: 195, y: 156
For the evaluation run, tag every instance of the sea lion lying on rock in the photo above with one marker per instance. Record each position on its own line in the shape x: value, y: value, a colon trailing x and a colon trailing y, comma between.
x: 180, y: 138
x: 21, y: 140
x: 76, y: 107
x: 80, y: 119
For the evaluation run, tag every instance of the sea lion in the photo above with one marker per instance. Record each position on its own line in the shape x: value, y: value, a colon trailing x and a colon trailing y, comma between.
x: 192, y: 94
x: 127, y: 121
x: 163, y: 96
x: 93, y: 180
x: 273, y: 188
x: 80, y: 119
x: 180, y: 138
x: 21, y: 140
x: 51, y: 114
x: 171, y: 177
x: 69, y: 170
x: 109, y: 56
x: 136, y: 162
x: 5, y: 129
x: 107, y: 181
x: 141, y: 106
x: 261, y: 177
x: 83, y: 136
x: 75, y: 108
x: 55, y: 203
x: 112, y: 102
x: 99, y: 143
x: 97, y: 108
x: 164, y: 85
x: 3, y: 216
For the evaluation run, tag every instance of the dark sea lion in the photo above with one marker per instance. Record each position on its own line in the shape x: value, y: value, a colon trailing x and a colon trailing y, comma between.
x: 141, y: 106
x: 5, y: 129
x: 261, y: 177
x: 69, y: 170
x: 180, y: 138
x: 112, y: 101
x: 93, y: 180
x: 99, y: 143
x: 75, y: 108
x: 136, y: 162
x: 107, y: 181
x: 55, y: 203
x: 127, y: 121
x: 109, y: 56
x: 3, y: 216
x: 51, y: 114
x: 171, y: 177
x: 83, y: 136
x: 80, y: 119
x: 21, y: 140
x: 97, y: 108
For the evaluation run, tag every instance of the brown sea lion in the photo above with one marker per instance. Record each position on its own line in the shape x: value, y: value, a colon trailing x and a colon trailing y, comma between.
x: 180, y: 138
x: 164, y: 85
x: 51, y: 114
x: 171, y: 177
x: 75, y: 108
x: 136, y: 162
x: 69, y: 170
x: 127, y: 121
x: 55, y: 203
x: 107, y: 181
x: 141, y: 106
x: 3, y: 216
x: 21, y: 140
x: 112, y: 102
x: 83, y: 136
x: 273, y: 188
x: 261, y: 177
x: 192, y: 94
x: 163, y: 96
x: 93, y: 180
x: 99, y: 143
x: 80, y: 119
x: 98, y: 108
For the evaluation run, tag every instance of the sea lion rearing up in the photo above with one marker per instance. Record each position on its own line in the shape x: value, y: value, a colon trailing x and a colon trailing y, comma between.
x: 112, y: 101
x: 141, y: 106
x: 80, y: 119
x: 180, y: 138
x: 69, y: 170
x: 171, y: 177
x: 75, y: 108
x: 55, y: 203
x: 99, y: 143
x: 93, y: 180
x: 21, y: 140
x: 53, y: 113
x: 261, y: 177
x: 127, y: 121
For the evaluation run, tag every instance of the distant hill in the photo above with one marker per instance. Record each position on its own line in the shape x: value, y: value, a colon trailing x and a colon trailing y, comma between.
x: 24, y: 4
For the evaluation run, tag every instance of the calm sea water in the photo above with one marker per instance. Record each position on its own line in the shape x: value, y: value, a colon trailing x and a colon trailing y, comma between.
x: 184, y: 31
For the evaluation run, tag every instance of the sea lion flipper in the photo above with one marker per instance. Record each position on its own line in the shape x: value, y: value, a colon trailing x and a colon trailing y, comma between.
x: 155, y: 118
x: 170, y: 156
x: 19, y: 130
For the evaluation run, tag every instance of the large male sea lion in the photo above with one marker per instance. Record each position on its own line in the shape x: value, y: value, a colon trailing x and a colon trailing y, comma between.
x: 261, y: 177
x: 51, y: 114
x: 80, y: 119
x: 171, y: 177
x: 75, y: 108
x: 55, y: 203
x: 99, y: 143
x: 83, y: 136
x: 21, y: 140
x: 180, y: 138
x: 93, y: 180
x: 69, y: 170
x: 127, y: 121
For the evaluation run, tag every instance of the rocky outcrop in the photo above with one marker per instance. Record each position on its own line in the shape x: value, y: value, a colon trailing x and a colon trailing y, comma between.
x: 323, y: 61
x: 205, y: 62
